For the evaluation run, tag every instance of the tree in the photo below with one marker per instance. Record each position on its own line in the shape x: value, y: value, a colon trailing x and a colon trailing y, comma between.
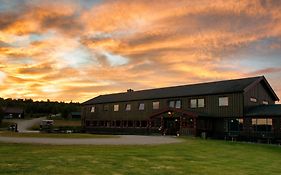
x: 1, y: 114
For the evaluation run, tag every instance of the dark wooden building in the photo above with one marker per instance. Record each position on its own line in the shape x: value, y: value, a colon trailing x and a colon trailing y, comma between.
x: 242, y: 108
x: 13, y: 112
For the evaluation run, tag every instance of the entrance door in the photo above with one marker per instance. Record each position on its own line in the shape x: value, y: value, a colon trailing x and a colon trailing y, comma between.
x: 171, y: 126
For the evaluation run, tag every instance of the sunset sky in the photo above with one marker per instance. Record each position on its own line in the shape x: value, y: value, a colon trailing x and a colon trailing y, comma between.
x: 75, y: 50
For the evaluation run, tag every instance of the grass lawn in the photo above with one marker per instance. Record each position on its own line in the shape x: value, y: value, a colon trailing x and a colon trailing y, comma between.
x: 53, y: 135
x: 193, y: 156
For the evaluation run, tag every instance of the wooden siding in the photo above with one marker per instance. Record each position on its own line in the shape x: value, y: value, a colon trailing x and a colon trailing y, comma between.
x: 260, y: 93
x: 212, y: 108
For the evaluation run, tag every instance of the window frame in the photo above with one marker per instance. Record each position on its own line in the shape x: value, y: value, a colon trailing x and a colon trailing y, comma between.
x: 106, y: 107
x: 93, y: 109
x: 176, y: 104
x: 141, y: 104
x: 157, y: 103
x: 116, y: 109
x: 223, y: 104
x: 203, y: 106
x: 253, y: 99
x: 171, y: 102
x: 191, y: 102
x: 126, y: 107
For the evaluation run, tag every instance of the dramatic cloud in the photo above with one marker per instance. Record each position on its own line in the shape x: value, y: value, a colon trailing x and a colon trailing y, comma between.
x: 75, y: 50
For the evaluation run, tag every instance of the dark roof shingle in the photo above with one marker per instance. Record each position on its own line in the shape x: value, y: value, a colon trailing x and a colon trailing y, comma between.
x: 219, y: 87
x: 264, y: 111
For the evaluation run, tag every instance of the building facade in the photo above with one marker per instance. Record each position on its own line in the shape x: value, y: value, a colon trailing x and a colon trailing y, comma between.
x: 223, y: 109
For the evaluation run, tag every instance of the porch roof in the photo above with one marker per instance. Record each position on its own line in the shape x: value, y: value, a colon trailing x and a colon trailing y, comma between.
x: 174, y: 110
x: 264, y: 110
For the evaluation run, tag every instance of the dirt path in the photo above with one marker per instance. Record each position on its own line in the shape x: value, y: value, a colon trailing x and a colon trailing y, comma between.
x: 23, y: 125
x: 123, y: 140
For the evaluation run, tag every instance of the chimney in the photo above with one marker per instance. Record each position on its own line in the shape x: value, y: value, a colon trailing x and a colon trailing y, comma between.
x: 130, y: 90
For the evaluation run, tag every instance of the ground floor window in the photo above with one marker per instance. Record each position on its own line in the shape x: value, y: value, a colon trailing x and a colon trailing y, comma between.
x: 262, y: 124
x: 235, y: 124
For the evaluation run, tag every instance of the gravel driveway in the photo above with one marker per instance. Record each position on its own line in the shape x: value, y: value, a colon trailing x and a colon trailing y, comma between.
x: 23, y: 124
x: 122, y: 140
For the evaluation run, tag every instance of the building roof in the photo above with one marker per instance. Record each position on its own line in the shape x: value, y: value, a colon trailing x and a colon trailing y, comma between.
x: 12, y: 110
x: 264, y: 111
x: 218, y: 87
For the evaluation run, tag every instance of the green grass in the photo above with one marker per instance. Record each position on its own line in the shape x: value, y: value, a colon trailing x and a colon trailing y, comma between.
x: 53, y: 135
x: 193, y: 156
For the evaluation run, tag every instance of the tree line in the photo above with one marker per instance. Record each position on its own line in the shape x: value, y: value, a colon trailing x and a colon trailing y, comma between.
x: 38, y: 108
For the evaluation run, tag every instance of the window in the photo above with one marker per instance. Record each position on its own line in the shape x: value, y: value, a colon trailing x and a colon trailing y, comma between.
x: 105, y: 107
x: 265, y: 102
x: 223, y: 101
x: 143, y: 123
x: 252, y: 99
x: 130, y: 123
x: 128, y: 107
x: 93, y: 109
x: 116, y: 108
x: 107, y: 123
x: 141, y: 106
x: 193, y: 103
x: 171, y: 104
x: 175, y: 104
x: 137, y: 124
x: 262, y: 124
x: 235, y: 124
x: 178, y: 104
x: 125, y: 123
x: 118, y: 123
x: 201, y: 103
x: 156, y: 105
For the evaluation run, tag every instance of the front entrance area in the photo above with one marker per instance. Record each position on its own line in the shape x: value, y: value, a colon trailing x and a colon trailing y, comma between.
x: 171, y: 126
x: 174, y: 122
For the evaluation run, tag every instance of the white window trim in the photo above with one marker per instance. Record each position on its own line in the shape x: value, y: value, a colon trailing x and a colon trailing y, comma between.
x: 128, y: 109
x: 141, y: 109
x: 227, y: 102
x: 196, y: 105
x: 117, y: 108
x: 253, y: 99
x: 157, y: 103
x: 173, y: 102
x: 176, y: 102
x: 203, y: 106
x: 93, y: 109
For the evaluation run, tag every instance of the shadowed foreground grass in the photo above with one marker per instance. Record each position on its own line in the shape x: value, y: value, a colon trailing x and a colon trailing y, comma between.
x: 193, y: 156
x: 53, y: 135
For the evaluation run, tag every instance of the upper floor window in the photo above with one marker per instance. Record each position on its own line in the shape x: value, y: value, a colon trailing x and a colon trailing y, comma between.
x: 105, y: 107
x: 156, y: 105
x: 141, y: 106
x: 193, y: 103
x: 128, y: 107
x: 93, y: 108
x: 178, y: 104
x: 171, y: 104
x: 223, y: 101
x: 265, y: 102
x: 252, y: 99
x: 175, y: 104
x: 201, y: 103
x: 116, y: 108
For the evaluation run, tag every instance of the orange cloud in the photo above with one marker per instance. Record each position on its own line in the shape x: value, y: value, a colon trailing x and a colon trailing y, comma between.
x: 64, y: 51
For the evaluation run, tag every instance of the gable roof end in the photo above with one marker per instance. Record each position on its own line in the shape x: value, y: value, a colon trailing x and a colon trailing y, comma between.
x: 267, y: 85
